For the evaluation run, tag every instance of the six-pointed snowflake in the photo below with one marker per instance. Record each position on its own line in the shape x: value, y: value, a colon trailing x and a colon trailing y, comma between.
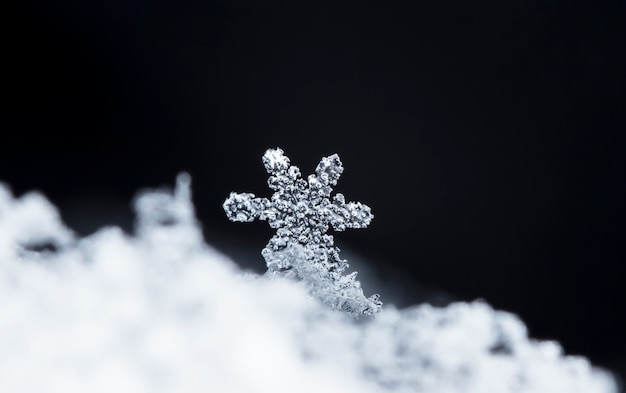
x: 302, y: 211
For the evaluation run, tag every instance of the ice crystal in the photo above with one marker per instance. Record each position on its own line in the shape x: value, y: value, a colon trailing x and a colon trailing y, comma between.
x: 302, y: 211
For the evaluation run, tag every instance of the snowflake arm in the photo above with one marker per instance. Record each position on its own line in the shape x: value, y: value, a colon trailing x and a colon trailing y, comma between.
x: 349, y: 215
x: 245, y: 207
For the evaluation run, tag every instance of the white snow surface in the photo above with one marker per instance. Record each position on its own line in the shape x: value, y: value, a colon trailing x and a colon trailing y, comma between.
x: 161, y: 311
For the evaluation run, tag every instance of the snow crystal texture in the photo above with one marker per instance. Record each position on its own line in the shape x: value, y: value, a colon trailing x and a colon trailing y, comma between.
x: 301, y: 211
x: 161, y: 311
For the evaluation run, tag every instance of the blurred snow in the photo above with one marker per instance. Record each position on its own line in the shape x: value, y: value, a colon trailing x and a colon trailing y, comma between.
x: 161, y: 311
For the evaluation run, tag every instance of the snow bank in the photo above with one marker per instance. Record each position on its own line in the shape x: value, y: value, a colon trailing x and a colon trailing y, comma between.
x: 161, y: 311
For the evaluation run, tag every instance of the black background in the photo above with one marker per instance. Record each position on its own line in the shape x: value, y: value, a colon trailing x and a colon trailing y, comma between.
x: 488, y: 137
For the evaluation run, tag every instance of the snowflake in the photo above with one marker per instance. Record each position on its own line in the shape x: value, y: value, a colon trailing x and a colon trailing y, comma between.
x: 302, y: 211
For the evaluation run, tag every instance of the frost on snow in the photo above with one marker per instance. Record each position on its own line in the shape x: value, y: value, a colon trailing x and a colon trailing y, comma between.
x: 160, y: 311
x: 301, y: 211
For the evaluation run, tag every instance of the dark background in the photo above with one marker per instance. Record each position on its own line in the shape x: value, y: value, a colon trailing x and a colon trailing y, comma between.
x: 488, y: 137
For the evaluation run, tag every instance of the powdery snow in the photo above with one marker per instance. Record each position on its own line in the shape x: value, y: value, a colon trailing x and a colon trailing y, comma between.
x: 161, y: 311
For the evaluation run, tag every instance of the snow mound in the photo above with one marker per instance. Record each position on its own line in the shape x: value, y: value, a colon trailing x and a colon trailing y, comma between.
x: 162, y: 311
